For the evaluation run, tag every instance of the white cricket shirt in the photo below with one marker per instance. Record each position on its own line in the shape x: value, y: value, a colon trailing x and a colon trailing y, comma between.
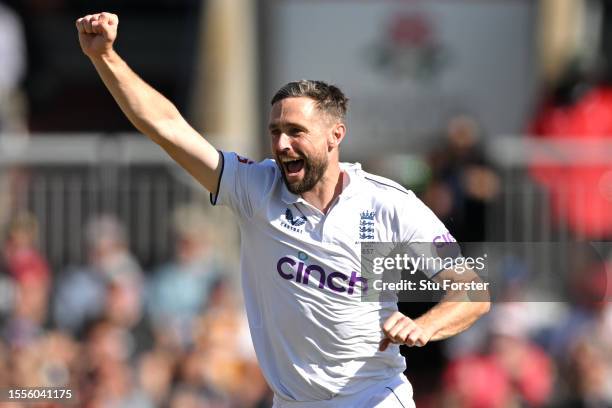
x: 313, y: 336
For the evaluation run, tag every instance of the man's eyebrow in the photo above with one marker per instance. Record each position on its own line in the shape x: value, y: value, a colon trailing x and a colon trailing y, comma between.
x: 276, y: 125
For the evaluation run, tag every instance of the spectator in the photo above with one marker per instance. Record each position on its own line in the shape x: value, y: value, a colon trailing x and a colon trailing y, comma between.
x: 12, y: 101
x: 24, y: 261
x: 111, y: 277
x: 155, y: 375
x: 181, y: 289
x: 222, y: 339
x: 587, y: 372
x: 110, y: 381
x: 463, y: 183
x: 32, y: 278
x: 12, y: 72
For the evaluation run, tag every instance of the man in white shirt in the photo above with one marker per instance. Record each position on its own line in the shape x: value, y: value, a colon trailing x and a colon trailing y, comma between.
x: 303, y: 217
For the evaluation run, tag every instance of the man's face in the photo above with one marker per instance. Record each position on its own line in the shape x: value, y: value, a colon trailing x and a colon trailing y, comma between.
x: 299, y: 133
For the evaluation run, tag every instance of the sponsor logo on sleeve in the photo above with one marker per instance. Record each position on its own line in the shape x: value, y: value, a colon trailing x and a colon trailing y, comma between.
x: 443, y: 239
x: 244, y: 160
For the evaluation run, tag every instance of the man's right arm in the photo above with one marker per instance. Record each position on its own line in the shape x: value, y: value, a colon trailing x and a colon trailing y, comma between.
x: 148, y: 110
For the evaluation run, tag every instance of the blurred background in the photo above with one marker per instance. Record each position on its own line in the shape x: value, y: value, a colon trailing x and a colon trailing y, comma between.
x: 119, y: 280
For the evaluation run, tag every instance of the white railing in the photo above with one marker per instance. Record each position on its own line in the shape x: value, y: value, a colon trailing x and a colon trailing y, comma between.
x: 64, y: 180
x: 523, y: 211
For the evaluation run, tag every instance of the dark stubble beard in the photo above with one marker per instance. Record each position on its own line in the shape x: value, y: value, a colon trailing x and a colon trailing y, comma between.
x: 314, y: 169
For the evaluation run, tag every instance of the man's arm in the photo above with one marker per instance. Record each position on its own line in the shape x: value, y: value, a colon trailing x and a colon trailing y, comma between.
x: 148, y: 110
x: 455, y: 313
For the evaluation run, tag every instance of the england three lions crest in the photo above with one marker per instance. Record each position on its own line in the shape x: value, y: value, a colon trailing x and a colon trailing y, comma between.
x: 366, y: 225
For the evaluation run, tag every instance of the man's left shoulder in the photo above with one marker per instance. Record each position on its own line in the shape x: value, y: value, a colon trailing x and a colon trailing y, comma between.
x: 388, y: 188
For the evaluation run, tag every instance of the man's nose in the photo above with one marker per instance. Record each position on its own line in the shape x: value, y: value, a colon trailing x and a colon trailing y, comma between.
x: 282, y: 143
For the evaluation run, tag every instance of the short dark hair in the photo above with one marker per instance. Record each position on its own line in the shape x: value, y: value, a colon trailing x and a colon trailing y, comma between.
x: 328, y: 98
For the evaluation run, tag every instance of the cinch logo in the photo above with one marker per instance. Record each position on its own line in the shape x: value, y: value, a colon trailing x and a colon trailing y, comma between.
x: 441, y: 240
x: 292, y: 223
x: 291, y: 269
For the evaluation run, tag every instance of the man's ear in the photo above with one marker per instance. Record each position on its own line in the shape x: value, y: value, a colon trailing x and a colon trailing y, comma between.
x: 337, y: 134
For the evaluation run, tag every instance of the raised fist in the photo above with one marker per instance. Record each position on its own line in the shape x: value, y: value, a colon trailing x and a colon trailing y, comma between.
x: 97, y: 33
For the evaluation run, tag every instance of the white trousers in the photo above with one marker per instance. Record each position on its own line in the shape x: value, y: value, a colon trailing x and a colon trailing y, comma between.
x: 395, y: 393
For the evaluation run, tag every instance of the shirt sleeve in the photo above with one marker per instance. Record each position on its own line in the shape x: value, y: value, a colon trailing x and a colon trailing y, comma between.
x: 243, y: 184
x: 424, y: 235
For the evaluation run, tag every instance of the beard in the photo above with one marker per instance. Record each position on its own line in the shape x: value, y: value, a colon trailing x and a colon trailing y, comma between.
x: 314, y: 169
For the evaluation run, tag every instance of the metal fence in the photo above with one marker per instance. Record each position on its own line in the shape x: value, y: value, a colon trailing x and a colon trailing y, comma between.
x: 66, y: 180
x: 524, y: 210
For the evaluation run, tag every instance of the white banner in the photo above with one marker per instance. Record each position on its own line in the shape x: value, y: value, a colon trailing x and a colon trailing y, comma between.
x: 409, y: 65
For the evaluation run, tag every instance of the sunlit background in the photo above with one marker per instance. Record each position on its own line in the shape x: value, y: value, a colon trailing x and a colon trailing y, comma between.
x: 120, y: 281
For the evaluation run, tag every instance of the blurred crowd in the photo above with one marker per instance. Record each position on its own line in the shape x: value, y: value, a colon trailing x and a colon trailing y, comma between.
x: 175, y: 336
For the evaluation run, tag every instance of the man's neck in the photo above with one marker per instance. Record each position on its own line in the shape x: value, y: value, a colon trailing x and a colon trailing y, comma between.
x: 323, y: 195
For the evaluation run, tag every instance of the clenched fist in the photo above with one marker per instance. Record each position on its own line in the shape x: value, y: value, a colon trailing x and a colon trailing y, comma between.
x: 401, y: 329
x: 97, y: 33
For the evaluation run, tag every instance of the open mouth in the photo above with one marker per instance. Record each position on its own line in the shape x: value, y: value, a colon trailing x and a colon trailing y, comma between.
x: 293, y: 167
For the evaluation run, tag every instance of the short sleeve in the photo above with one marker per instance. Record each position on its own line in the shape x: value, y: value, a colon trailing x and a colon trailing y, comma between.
x: 425, y: 235
x: 243, y: 184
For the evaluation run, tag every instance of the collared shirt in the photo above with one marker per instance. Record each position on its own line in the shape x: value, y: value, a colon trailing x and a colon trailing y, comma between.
x: 313, y: 335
